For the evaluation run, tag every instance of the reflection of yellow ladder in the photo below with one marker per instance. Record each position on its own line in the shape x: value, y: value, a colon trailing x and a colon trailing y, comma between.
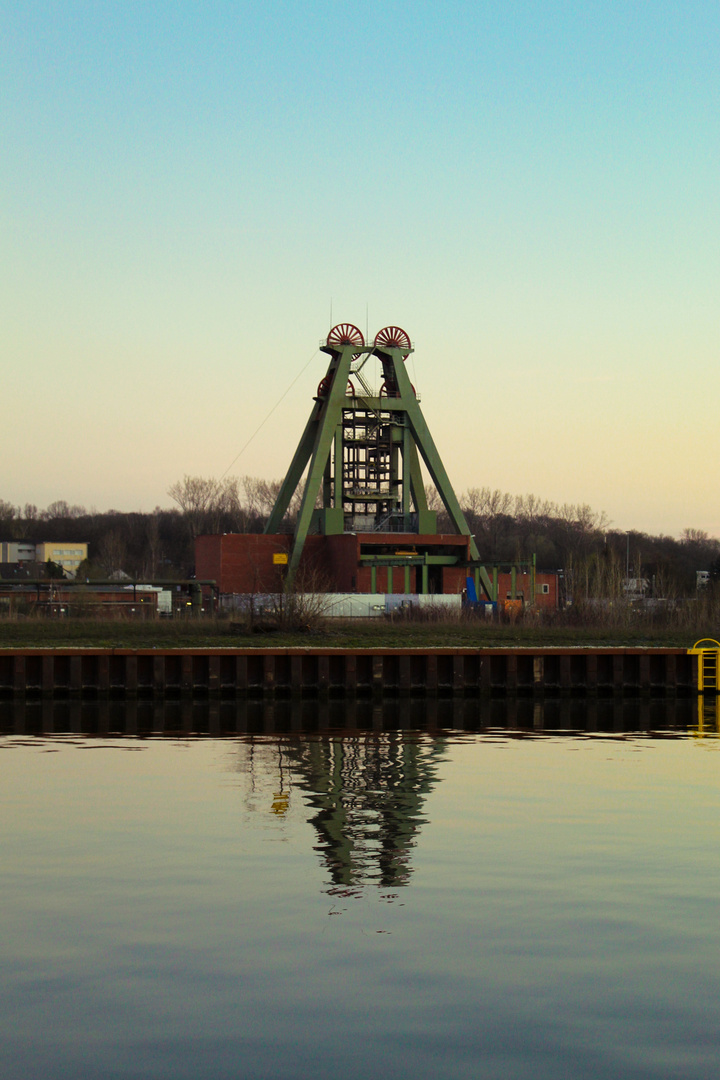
x: 707, y: 716
x: 707, y: 651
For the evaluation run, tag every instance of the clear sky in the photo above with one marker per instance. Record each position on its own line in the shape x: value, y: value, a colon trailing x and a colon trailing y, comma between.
x: 531, y: 189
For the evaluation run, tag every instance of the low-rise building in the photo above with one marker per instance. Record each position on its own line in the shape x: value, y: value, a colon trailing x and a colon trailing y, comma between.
x: 252, y: 564
x: 67, y: 553
x: 16, y: 551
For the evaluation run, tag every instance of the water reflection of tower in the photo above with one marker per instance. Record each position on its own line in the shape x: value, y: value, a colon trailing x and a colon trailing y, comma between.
x: 368, y: 793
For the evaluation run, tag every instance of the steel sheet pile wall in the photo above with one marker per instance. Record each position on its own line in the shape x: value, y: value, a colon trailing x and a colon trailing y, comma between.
x: 338, y: 672
x: 217, y: 717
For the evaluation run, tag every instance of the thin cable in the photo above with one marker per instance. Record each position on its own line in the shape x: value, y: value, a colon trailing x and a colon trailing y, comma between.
x: 262, y: 424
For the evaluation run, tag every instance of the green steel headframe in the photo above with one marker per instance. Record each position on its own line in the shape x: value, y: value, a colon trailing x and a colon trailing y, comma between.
x: 363, y: 451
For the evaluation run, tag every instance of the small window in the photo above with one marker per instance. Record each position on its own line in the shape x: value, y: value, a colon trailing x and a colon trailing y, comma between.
x: 544, y: 589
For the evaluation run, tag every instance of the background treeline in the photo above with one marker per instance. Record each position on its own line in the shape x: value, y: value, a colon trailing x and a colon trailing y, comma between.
x: 595, y: 558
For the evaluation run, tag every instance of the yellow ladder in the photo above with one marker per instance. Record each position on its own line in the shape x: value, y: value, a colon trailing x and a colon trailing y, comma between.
x: 708, y: 665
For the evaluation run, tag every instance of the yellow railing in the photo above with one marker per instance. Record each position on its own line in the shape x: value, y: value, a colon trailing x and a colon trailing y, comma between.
x: 707, y: 651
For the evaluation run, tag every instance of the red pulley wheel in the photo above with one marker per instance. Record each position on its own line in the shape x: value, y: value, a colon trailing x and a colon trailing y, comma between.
x: 393, y: 337
x: 324, y: 388
x: 345, y: 334
x: 389, y: 391
x: 386, y: 391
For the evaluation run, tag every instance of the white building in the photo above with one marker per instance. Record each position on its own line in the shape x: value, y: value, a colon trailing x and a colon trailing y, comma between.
x: 16, y: 551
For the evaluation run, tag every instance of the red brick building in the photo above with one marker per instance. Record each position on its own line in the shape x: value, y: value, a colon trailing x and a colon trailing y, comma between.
x: 251, y: 563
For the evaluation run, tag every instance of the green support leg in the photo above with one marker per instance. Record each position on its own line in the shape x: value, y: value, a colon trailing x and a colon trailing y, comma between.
x: 406, y: 474
x: 428, y: 450
x: 417, y: 488
x: 338, y: 463
x: 294, y: 473
x: 328, y: 422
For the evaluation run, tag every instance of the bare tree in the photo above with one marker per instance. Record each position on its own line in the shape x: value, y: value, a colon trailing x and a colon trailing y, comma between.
x: 210, y: 505
x: 112, y: 552
x: 261, y: 496
x: 152, y: 544
x: 694, y: 536
x: 195, y: 495
x: 7, y: 517
x: 60, y: 509
x: 530, y: 508
x: 483, y: 502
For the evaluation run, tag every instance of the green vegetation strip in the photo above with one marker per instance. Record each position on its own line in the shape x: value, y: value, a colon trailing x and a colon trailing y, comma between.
x: 352, y: 634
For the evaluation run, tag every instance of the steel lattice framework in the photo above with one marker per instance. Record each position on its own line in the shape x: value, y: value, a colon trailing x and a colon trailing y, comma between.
x: 363, y: 449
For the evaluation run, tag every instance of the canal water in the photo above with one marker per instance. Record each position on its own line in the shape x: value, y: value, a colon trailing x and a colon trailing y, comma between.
x: 305, y: 890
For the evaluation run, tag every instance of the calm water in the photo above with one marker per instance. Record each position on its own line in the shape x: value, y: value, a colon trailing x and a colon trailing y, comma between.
x: 331, y: 891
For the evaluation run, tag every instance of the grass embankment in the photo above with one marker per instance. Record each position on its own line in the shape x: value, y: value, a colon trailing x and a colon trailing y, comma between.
x: 375, y: 633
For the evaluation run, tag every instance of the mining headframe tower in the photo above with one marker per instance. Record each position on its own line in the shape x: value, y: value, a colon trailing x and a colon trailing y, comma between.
x: 363, y: 523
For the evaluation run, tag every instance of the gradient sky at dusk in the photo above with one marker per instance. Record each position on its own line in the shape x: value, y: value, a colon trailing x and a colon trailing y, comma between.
x: 531, y: 189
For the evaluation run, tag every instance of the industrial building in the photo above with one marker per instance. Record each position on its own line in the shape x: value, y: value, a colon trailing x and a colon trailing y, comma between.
x: 364, y: 525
